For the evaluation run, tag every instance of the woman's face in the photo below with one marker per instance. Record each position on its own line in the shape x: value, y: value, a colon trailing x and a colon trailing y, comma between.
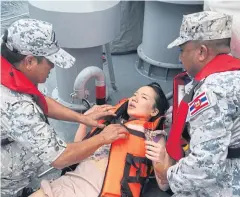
x: 142, y: 104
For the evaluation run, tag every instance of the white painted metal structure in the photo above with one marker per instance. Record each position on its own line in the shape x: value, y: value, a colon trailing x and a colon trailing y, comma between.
x: 82, y: 28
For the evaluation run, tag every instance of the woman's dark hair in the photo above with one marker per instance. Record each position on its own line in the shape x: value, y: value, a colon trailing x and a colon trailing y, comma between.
x: 161, y: 101
x: 13, y: 56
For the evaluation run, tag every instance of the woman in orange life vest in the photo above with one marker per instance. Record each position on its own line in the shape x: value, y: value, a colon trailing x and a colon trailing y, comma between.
x: 147, y: 103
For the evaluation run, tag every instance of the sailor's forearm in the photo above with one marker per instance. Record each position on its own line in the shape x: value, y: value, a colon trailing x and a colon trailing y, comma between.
x: 76, y: 152
x: 60, y: 112
x: 81, y: 133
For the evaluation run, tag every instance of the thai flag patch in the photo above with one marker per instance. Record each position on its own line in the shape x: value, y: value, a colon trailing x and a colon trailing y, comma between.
x: 199, y: 103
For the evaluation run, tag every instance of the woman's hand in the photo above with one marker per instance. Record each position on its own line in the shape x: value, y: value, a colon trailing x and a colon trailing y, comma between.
x: 156, y: 151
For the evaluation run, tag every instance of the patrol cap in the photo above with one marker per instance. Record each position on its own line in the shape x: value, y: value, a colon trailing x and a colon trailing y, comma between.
x: 206, y: 25
x: 36, y: 37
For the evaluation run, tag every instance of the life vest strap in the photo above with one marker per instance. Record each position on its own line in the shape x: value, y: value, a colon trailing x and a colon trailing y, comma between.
x: 134, y: 132
x: 5, y: 141
x: 139, y: 163
x: 133, y: 179
x: 233, y: 153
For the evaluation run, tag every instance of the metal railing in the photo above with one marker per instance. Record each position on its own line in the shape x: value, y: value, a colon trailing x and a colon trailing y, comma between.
x: 10, y: 18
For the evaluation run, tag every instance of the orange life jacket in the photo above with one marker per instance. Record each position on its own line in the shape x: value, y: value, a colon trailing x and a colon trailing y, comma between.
x: 128, y: 168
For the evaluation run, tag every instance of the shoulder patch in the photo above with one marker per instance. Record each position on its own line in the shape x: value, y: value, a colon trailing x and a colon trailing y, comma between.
x: 198, y: 104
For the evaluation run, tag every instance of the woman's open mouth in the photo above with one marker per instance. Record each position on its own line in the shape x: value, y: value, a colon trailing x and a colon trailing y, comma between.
x: 131, y: 105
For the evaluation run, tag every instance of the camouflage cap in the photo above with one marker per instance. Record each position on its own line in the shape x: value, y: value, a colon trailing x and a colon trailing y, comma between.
x: 206, y: 25
x: 35, y: 37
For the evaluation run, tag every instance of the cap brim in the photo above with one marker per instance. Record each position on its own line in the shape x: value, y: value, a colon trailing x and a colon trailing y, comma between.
x: 177, y: 42
x: 62, y: 59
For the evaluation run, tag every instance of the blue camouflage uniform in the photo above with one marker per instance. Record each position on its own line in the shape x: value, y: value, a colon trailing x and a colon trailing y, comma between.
x: 31, y: 141
x: 206, y: 171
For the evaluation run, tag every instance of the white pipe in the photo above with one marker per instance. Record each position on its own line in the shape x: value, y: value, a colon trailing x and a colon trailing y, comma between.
x: 84, y: 76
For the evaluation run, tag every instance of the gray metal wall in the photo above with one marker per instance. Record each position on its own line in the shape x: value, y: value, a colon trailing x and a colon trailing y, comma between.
x: 161, y: 26
x: 81, y: 31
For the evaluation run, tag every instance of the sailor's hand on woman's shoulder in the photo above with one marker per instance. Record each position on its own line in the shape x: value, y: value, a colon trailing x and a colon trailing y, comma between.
x: 112, y: 133
x: 99, y: 108
x: 96, y: 113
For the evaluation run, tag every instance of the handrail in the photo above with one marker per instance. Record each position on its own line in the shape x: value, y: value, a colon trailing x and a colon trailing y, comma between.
x: 6, y: 19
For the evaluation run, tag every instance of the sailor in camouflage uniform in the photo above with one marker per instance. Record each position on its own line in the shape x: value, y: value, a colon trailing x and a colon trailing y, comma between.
x: 29, y: 51
x: 213, y: 116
